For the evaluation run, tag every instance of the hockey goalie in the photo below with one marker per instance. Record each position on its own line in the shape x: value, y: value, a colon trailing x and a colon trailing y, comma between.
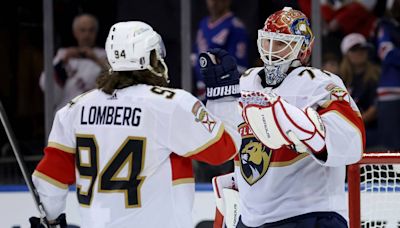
x: 300, y: 129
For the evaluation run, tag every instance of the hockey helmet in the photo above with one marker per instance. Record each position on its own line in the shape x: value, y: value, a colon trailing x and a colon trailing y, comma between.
x: 129, y: 45
x: 285, y: 41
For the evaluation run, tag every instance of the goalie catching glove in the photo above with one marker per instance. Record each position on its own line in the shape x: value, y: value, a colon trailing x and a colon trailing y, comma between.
x: 277, y: 123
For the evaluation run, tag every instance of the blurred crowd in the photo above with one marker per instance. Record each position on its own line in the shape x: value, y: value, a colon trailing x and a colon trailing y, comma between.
x: 360, y: 43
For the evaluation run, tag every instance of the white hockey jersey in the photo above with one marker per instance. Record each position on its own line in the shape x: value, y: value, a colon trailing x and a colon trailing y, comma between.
x: 279, y: 184
x: 129, y: 154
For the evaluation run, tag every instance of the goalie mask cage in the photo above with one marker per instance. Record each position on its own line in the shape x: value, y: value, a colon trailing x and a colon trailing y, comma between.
x: 374, y: 191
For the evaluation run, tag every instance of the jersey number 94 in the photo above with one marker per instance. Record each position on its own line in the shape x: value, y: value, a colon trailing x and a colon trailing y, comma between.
x: 131, y: 153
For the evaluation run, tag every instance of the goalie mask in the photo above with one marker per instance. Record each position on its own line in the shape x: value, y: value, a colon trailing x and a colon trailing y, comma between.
x: 285, y: 41
x: 129, y: 45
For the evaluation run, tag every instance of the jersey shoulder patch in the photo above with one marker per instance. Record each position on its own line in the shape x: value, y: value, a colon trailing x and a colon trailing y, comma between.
x: 337, y: 93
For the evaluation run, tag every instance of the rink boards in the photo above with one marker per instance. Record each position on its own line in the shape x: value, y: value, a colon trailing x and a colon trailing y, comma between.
x: 17, y: 205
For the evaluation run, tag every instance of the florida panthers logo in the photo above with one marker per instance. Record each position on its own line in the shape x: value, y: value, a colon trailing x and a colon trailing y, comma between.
x: 254, y: 160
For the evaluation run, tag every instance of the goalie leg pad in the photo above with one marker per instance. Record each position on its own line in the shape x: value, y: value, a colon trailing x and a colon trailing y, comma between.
x: 227, y: 201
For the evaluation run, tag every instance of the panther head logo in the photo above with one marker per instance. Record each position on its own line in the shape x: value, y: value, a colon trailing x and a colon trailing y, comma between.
x: 255, y: 159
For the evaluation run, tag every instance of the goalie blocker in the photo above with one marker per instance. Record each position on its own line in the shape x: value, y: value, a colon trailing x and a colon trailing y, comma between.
x: 277, y: 123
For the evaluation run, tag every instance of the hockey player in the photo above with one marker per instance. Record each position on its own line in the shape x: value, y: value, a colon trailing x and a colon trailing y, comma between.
x: 300, y: 129
x: 127, y: 145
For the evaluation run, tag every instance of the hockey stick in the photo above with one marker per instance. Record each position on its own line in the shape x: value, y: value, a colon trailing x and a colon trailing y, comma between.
x: 21, y: 163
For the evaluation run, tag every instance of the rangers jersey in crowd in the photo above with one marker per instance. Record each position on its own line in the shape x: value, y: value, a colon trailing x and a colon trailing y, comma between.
x: 388, y: 41
x: 279, y: 184
x: 129, y: 155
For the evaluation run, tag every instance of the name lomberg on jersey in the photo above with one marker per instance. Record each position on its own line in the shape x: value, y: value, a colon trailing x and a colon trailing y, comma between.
x: 110, y: 115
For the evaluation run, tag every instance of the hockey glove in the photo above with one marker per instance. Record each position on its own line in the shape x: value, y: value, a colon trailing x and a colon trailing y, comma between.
x: 220, y: 74
x: 59, y: 222
x: 277, y: 123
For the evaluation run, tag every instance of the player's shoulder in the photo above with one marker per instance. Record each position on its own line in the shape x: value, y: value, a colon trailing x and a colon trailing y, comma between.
x: 166, y: 93
x: 69, y: 111
x: 168, y: 98
x: 81, y: 99
x: 312, y: 77
x: 314, y: 83
x: 251, y: 79
x: 251, y: 72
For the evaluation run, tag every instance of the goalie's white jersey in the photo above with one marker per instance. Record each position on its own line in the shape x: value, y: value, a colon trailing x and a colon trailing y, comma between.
x: 279, y: 184
x: 129, y: 154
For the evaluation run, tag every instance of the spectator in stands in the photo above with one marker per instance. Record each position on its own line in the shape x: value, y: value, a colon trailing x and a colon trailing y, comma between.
x: 76, y: 68
x: 388, y: 50
x: 354, y: 16
x: 360, y: 76
x: 220, y: 29
x: 344, y: 17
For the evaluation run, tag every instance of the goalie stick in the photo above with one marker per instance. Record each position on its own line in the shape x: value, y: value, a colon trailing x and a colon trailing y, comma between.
x: 21, y: 163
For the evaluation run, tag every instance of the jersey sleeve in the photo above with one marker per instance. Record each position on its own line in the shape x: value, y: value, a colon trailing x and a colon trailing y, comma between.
x: 195, y: 132
x: 344, y: 128
x: 56, y: 170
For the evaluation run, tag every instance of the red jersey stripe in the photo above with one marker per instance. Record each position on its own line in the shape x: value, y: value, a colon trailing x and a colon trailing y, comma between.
x: 58, y: 165
x: 345, y: 111
x: 181, y: 168
x: 219, y: 152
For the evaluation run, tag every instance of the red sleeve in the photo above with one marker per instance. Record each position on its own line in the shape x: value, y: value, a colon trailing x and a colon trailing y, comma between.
x: 182, y: 171
x: 58, y: 165
x: 219, y: 152
x: 344, y: 109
